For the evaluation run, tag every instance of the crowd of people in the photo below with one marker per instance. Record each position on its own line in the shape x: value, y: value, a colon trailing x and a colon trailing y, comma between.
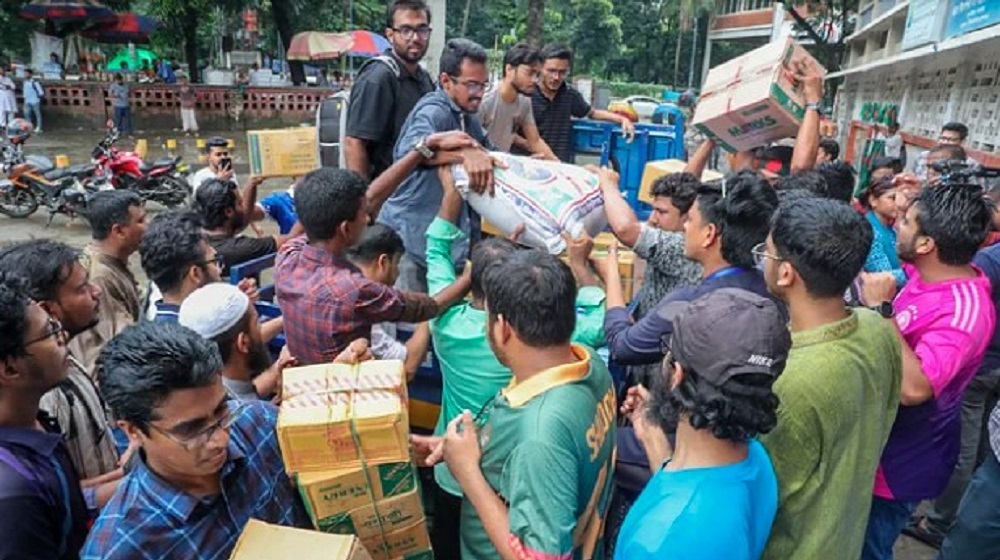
x: 805, y: 362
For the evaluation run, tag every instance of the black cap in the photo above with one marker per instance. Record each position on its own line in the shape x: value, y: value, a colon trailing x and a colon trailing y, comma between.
x: 728, y: 333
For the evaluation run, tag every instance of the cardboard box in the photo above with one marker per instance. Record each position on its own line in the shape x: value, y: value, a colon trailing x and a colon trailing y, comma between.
x: 327, y: 493
x: 752, y: 100
x: 372, y: 519
x: 656, y: 169
x: 263, y: 541
x: 410, y: 543
x: 288, y: 152
x: 332, y: 416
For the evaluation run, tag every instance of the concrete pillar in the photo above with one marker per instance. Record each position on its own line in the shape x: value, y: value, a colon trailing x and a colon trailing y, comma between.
x: 439, y: 14
x: 706, y: 64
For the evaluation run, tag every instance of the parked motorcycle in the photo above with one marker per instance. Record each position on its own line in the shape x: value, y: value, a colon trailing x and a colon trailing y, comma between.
x: 32, y: 181
x: 163, y: 181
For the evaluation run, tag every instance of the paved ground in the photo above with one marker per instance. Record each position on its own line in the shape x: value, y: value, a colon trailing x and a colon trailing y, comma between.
x: 78, y: 144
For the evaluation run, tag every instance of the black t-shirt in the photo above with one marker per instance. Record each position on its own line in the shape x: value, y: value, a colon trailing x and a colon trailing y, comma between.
x: 380, y: 103
x: 240, y: 249
x: 554, y: 118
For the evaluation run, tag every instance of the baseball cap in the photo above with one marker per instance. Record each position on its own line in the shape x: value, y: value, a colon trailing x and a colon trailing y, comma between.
x: 728, y: 333
x: 213, y: 309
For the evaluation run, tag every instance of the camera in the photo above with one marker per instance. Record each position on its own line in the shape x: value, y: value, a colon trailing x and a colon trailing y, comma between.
x: 959, y: 172
x: 226, y: 163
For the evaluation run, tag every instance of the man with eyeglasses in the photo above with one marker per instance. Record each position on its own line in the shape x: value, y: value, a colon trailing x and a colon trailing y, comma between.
x: 208, y: 464
x: 506, y: 109
x: 952, y: 134
x: 452, y: 107
x: 386, y: 90
x: 42, y: 512
x: 555, y: 103
x: 58, y: 281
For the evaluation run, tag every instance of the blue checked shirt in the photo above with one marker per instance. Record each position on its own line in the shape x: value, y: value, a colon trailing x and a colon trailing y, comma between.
x: 150, y: 519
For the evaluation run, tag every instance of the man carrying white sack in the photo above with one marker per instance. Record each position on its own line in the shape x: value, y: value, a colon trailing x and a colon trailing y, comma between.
x: 412, y: 207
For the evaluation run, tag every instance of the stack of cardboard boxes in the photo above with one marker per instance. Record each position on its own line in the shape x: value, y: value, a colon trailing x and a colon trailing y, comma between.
x: 344, y: 435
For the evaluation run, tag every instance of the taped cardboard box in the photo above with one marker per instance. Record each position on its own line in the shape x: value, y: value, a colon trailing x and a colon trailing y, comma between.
x: 375, y: 519
x: 287, y: 152
x: 410, y: 543
x: 656, y: 169
x: 333, y: 416
x: 752, y: 100
x: 263, y: 541
x: 333, y: 498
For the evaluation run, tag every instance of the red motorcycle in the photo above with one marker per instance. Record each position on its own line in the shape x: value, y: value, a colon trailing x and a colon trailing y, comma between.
x: 163, y: 181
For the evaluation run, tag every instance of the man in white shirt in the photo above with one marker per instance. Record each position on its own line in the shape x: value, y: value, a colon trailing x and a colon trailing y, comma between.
x: 506, y: 109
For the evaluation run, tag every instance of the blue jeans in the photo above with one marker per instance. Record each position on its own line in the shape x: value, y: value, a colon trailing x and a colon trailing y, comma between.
x: 976, y: 532
x: 123, y: 119
x: 33, y: 112
x: 885, y: 524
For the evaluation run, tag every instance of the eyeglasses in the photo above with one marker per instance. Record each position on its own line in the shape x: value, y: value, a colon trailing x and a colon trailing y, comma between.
x: 407, y: 32
x: 760, y: 253
x: 53, y: 328
x: 949, y: 139
x: 218, y: 261
x: 201, y: 437
x: 472, y: 86
x: 555, y: 73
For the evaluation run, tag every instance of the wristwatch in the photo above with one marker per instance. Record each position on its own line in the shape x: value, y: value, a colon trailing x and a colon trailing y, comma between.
x: 423, y: 149
x: 885, y: 309
x: 813, y: 106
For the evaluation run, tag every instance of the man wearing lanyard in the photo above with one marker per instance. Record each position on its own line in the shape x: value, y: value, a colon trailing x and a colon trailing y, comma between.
x: 722, y: 228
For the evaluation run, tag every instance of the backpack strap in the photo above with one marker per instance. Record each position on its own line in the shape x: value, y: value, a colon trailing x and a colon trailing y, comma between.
x: 384, y: 59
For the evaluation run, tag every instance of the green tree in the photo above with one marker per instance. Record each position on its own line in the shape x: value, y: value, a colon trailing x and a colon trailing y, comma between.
x: 536, y: 22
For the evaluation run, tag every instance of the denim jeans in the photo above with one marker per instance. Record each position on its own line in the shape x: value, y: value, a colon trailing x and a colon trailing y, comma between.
x: 33, y: 112
x: 123, y: 119
x: 885, y: 524
x: 976, y: 532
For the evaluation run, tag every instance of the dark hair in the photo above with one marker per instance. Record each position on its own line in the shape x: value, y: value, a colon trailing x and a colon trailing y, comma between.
x: 831, y: 147
x: 811, y: 181
x: 110, y: 208
x: 147, y: 362
x: 743, y: 215
x: 457, y: 50
x: 327, y: 198
x: 876, y: 189
x: 957, y: 217
x: 484, y: 255
x: 170, y: 246
x: 951, y: 151
x: 961, y: 129
x: 888, y: 162
x: 377, y: 240
x: 405, y: 5
x: 561, y: 52
x: 729, y: 414
x: 225, y: 340
x: 45, y: 266
x: 839, y: 177
x: 215, y: 142
x: 521, y: 53
x: 14, y: 301
x: 536, y: 294
x: 680, y: 188
x: 212, y: 199
x: 826, y: 241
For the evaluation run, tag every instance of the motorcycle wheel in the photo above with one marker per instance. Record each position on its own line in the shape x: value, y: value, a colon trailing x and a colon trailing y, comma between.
x: 172, y: 192
x: 18, y: 203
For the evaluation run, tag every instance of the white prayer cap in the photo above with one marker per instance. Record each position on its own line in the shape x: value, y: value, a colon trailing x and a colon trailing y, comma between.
x: 213, y: 309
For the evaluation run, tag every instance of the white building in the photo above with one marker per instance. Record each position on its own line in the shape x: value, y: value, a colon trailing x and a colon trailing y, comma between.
x: 935, y: 61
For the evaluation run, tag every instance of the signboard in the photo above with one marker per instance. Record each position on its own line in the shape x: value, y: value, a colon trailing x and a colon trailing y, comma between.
x: 924, y: 23
x: 970, y: 15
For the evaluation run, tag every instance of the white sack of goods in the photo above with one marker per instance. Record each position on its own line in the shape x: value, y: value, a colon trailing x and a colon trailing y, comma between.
x: 546, y: 197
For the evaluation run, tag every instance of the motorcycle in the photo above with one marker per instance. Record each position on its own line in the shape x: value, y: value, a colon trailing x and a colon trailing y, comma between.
x: 163, y: 181
x: 32, y: 181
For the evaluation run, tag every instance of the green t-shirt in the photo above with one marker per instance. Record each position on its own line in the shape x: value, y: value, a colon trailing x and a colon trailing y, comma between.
x: 548, y: 449
x: 839, y: 394
x: 470, y: 371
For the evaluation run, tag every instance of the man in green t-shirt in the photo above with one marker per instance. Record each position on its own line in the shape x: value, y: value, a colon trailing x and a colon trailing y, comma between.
x: 840, y: 389
x: 535, y: 463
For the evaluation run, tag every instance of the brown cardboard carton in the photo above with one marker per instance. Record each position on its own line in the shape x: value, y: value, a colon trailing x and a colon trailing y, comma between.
x: 410, y: 543
x: 656, y: 169
x: 340, y: 416
x: 376, y: 518
x: 752, y: 100
x: 285, y: 152
x: 331, y: 496
x: 263, y: 541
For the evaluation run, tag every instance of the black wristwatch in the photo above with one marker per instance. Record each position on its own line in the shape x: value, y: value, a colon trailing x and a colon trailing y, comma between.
x: 885, y: 309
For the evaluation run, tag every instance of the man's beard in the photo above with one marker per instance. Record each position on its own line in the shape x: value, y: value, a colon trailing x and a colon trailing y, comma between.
x: 906, y: 253
x: 404, y: 54
x: 259, y: 359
